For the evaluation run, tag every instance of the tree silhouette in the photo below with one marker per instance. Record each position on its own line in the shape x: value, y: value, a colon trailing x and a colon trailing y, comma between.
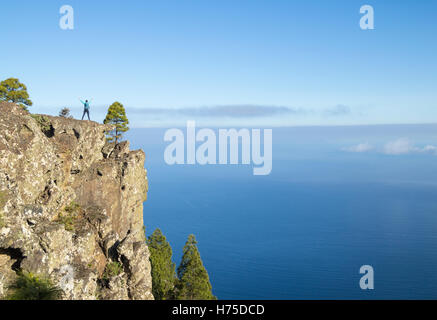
x: 65, y: 113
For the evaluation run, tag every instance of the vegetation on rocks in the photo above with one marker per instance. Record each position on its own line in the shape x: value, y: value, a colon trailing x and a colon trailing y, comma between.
x: 43, y: 122
x: 28, y: 286
x: 2, y: 204
x: 70, y: 216
x: 112, y: 269
x: 2, y: 220
x: 2, y: 199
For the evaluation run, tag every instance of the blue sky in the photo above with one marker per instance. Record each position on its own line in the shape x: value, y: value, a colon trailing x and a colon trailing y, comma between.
x: 309, y: 59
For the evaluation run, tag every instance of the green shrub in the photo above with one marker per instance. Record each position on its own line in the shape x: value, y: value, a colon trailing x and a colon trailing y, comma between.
x: 73, y: 207
x: 42, y: 121
x: 2, y: 205
x: 2, y: 221
x: 2, y: 199
x: 67, y: 221
x: 69, y: 217
x: 28, y: 286
x: 112, y: 269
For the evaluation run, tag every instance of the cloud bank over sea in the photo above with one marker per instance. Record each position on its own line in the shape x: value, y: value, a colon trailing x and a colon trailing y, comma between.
x: 401, y: 146
x: 239, y: 115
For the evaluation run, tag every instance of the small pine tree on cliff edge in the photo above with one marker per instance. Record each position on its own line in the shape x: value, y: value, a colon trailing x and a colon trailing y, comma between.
x: 117, y: 117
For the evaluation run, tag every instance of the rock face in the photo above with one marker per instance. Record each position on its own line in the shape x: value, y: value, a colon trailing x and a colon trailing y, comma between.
x: 71, y: 207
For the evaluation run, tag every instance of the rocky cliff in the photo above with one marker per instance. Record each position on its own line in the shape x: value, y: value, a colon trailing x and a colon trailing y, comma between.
x: 71, y: 207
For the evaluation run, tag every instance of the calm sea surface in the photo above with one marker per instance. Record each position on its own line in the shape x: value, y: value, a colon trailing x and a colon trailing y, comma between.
x: 304, y: 231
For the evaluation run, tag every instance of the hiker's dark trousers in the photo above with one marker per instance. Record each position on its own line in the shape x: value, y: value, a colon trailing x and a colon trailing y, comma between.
x: 88, y: 114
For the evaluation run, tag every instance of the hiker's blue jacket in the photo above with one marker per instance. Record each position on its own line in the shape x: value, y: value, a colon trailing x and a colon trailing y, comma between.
x: 86, y: 105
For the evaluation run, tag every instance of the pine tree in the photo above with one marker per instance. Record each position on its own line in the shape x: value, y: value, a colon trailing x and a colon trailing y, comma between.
x: 163, y: 269
x: 194, y: 281
x: 117, y: 117
x: 13, y: 91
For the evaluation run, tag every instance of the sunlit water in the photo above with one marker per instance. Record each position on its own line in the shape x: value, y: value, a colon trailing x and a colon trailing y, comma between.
x: 304, y: 231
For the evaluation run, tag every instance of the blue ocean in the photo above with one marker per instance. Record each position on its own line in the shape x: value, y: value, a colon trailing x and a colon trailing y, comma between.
x: 304, y: 231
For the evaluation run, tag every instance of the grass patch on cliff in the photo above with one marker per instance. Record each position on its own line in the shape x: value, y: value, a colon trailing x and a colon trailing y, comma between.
x: 28, y: 286
x: 112, y: 269
x: 70, y: 216
x: 44, y: 123
x: 2, y: 199
x: 2, y: 221
x: 2, y: 205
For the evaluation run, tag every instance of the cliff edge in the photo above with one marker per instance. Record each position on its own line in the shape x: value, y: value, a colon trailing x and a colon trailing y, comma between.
x: 71, y: 207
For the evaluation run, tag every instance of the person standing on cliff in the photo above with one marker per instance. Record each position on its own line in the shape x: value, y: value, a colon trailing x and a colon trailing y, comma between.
x: 86, y: 109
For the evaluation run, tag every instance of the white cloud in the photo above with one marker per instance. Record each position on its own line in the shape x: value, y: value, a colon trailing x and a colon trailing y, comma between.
x: 405, y: 146
x: 362, y: 147
x: 338, y: 110
x: 400, y: 146
x: 430, y: 149
x: 397, y: 147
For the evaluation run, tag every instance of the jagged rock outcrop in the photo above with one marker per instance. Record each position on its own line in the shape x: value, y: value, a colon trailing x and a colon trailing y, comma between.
x: 71, y: 207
